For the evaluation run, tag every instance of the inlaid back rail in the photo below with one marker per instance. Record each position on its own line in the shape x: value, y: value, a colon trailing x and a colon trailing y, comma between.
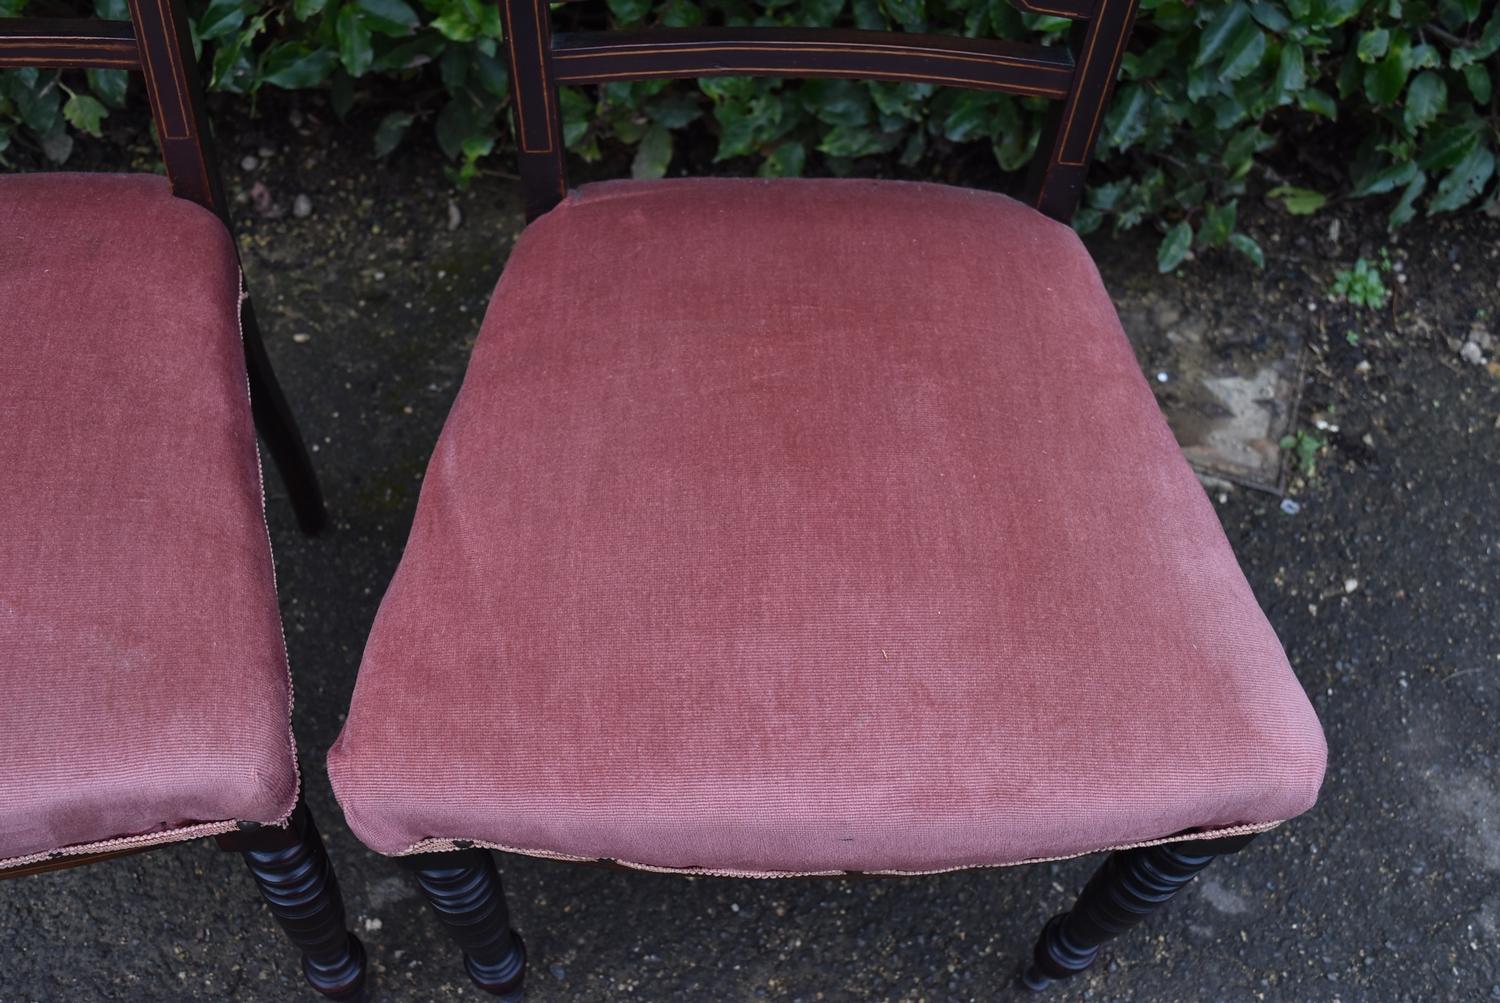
x: 1079, y: 77
x: 156, y: 42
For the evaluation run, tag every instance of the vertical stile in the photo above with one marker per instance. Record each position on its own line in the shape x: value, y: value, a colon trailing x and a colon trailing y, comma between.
x: 1067, y: 143
x: 528, y: 51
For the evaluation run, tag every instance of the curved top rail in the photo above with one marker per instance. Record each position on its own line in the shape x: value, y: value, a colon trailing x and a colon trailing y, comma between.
x: 597, y: 57
x: 68, y: 43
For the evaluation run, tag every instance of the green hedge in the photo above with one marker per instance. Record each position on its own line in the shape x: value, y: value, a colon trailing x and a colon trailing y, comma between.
x: 1207, y: 91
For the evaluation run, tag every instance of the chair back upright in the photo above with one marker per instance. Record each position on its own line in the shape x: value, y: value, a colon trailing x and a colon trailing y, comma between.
x: 1078, y: 76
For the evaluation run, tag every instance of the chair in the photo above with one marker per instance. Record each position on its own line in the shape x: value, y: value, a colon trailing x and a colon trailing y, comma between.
x: 807, y: 527
x: 144, y: 693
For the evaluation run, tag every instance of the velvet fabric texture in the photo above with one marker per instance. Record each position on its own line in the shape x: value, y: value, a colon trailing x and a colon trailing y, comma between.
x: 143, y: 678
x: 804, y: 526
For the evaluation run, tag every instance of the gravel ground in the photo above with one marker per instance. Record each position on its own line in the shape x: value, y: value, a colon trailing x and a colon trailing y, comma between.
x: 1385, y: 587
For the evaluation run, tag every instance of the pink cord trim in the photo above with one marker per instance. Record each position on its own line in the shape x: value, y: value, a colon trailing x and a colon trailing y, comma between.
x: 442, y: 845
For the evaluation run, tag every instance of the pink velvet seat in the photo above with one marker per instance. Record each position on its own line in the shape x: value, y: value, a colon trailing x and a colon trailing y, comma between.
x: 807, y: 526
x: 143, y: 682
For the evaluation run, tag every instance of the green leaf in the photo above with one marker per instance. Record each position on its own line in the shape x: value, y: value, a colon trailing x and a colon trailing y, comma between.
x: 1291, y: 72
x: 909, y: 14
x: 681, y: 14
x: 1331, y: 13
x: 456, y: 26
x: 109, y: 86
x: 354, y: 42
x: 626, y: 12
x: 1125, y: 121
x: 85, y: 113
x: 1464, y: 183
x: 1270, y: 16
x: 458, y: 122
x: 1387, y: 179
x: 39, y: 102
x: 844, y: 102
x: 306, y: 10
x: 1218, y: 224
x: 674, y: 109
x: 970, y: 116
x: 1373, y: 45
x: 1426, y: 99
x: 851, y: 141
x: 1243, y: 52
x: 1319, y: 103
x: 294, y: 66
x: 389, y: 17
x: 1087, y: 220
x: 1385, y: 80
x: 1449, y: 145
x: 112, y: 10
x: 1226, y: 23
x: 653, y: 155
x: 1478, y: 79
x: 1249, y: 248
x: 1298, y: 201
x: 1174, y: 247
x: 391, y: 131
x: 57, y: 143
x: 222, y: 18
x: 786, y: 161
x: 1406, y: 206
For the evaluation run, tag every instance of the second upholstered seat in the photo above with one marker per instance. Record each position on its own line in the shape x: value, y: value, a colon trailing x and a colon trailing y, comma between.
x: 808, y: 526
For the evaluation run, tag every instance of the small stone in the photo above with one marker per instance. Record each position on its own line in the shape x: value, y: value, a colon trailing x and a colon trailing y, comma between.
x: 455, y: 217
x: 558, y: 972
x: 265, y: 205
x: 302, y: 207
x: 1291, y: 506
x: 1351, y: 585
x: 266, y: 151
x: 372, y: 924
x: 1162, y: 377
x: 301, y: 337
x: 249, y: 162
x: 1471, y: 352
x: 1363, y: 368
x: 295, y: 118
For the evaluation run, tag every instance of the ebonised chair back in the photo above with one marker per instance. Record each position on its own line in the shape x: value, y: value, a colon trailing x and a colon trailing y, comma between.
x: 1079, y: 80
x: 156, y: 42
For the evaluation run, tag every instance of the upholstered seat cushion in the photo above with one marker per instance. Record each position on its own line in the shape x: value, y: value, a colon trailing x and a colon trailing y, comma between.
x: 804, y: 526
x: 143, y: 681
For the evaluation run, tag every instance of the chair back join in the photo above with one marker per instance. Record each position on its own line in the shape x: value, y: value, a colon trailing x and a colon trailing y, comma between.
x: 154, y: 41
x: 1079, y: 80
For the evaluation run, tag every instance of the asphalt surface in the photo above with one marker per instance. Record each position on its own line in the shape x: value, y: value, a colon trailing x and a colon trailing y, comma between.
x: 1388, y: 890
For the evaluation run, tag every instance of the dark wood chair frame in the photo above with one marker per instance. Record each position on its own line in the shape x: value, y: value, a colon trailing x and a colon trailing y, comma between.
x: 463, y: 886
x: 288, y: 863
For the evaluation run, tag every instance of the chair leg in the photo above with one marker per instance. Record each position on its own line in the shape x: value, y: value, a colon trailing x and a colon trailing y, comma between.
x: 291, y: 868
x: 1127, y: 887
x: 464, y: 891
x: 274, y: 421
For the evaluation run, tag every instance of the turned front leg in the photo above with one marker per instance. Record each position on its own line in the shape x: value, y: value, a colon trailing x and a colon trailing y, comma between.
x: 292, y: 871
x: 463, y: 888
x: 1127, y: 887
